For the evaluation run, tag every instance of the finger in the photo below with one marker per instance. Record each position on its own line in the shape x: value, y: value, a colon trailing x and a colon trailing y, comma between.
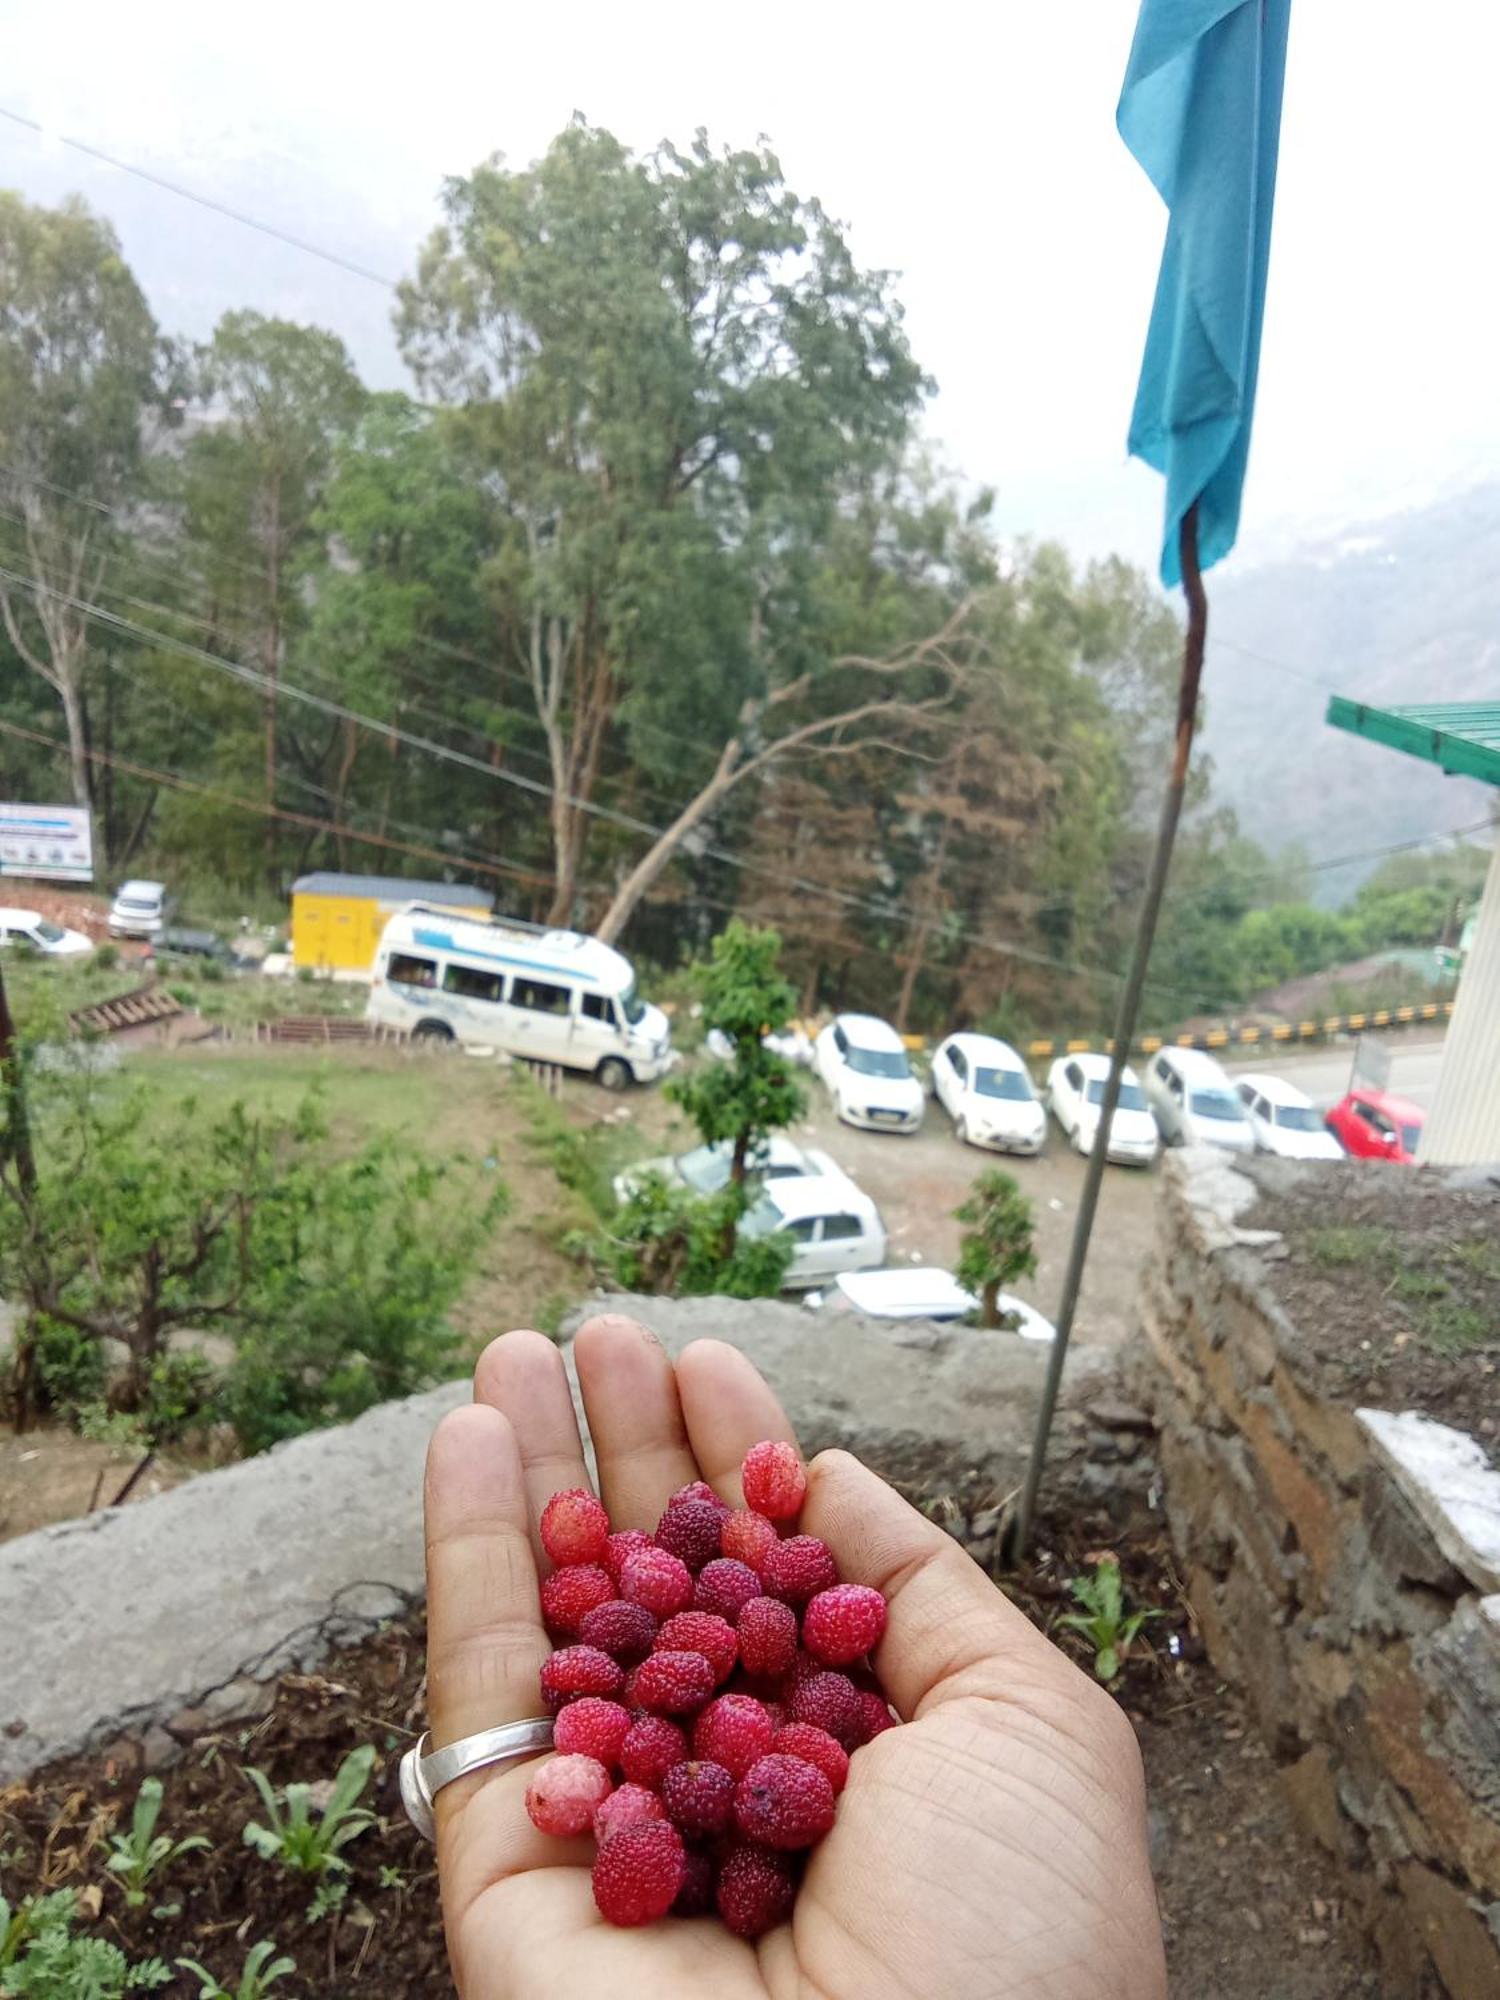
x: 630, y: 1398
x: 728, y: 1406
x: 522, y: 1375
x: 950, y: 1632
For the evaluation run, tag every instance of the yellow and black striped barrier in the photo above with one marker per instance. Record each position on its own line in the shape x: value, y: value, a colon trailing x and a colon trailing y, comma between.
x: 1249, y: 1038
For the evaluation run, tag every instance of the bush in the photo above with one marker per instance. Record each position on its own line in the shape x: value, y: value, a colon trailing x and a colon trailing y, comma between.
x: 70, y: 1367
x: 997, y: 1245
x: 667, y: 1239
x: 106, y: 957
x: 179, y: 1394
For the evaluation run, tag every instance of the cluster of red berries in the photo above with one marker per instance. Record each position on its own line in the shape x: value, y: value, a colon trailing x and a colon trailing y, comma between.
x: 704, y: 1717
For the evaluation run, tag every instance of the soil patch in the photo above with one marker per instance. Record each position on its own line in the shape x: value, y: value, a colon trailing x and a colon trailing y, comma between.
x: 52, y: 1474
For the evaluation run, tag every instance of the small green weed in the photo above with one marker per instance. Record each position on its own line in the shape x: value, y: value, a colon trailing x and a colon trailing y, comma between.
x: 1104, y: 1621
x: 1451, y: 1328
x: 1343, y: 1244
x: 256, y: 1980
x: 1419, y: 1285
x: 42, y: 1959
x: 139, y: 1856
x: 1478, y: 1256
x: 311, y: 1846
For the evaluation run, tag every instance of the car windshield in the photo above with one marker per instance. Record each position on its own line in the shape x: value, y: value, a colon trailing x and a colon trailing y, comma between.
x: 877, y: 1062
x: 1217, y: 1104
x: 632, y: 1003
x: 1410, y: 1135
x: 762, y: 1218
x: 1003, y: 1083
x: 49, y: 933
x: 1130, y: 1094
x: 139, y: 902
x: 1298, y: 1118
x: 705, y: 1169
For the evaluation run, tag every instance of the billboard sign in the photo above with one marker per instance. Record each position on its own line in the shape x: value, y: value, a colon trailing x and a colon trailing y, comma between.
x: 47, y: 843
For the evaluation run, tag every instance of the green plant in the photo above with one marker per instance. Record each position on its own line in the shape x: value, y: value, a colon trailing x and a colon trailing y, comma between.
x: 1453, y: 1329
x: 1342, y: 1244
x: 305, y: 975
x: 136, y: 1857
x: 179, y: 1393
x: 311, y: 1846
x: 255, y: 1981
x: 996, y: 1247
x: 667, y: 1239
x: 1104, y: 1621
x: 70, y: 1368
x: 106, y: 957
x: 42, y: 1959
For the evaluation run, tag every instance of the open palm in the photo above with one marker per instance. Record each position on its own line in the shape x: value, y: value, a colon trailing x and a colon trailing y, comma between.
x: 994, y: 1845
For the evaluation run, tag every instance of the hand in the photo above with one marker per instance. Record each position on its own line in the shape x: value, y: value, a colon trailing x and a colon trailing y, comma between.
x: 995, y: 1845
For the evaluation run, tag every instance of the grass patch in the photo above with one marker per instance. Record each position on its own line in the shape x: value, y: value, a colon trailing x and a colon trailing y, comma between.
x: 1452, y: 1329
x: 1419, y: 1285
x: 1343, y: 1244
x: 1479, y: 1257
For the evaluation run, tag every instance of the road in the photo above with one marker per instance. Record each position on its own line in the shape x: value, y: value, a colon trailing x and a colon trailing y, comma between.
x: 1324, y: 1073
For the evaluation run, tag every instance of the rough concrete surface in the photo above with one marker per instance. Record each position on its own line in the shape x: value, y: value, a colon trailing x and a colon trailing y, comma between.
x: 1448, y: 1478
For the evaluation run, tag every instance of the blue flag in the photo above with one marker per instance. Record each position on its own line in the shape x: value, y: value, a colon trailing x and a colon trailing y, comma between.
x: 1201, y: 111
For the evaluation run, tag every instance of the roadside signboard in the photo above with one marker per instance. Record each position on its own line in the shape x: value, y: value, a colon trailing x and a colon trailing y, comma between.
x: 1372, y: 1063
x: 48, y: 843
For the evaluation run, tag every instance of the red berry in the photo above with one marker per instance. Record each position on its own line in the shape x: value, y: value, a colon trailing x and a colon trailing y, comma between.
x: 630, y: 1805
x: 574, y: 1527
x: 657, y: 1579
x: 842, y: 1624
x: 777, y: 1714
x: 579, y: 1670
x: 724, y: 1586
x: 690, y: 1529
x: 813, y: 1746
x: 651, y: 1748
x: 775, y: 1484
x: 699, y: 1796
x: 784, y: 1803
x: 701, y: 1632
x: 622, y: 1630
x: 624, y: 1544
x: 672, y: 1683
x: 755, y: 1890
x: 590, y: 1727
x: 733, y: 1731
x: 696, y: 1896
x: 874, y: 1716
x: 565, y: 1793
x: 767, y: 1634
x: 746, y: 1536
x: 828, y: 1701
x: 638, y: 1873
x: 797, y: 1569
x: 699, y: 1489
x: 569, y: 1594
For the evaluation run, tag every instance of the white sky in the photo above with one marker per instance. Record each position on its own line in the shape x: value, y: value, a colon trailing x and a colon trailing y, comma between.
x: 970, y: 148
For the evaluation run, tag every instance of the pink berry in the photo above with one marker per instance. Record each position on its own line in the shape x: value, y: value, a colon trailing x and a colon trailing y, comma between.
x: 813, y: 1746
x: 565, y: 1793
x: 638, y: 1873
x: 590, y: 1727
x: 784, y: 1803
x: 696, y: 1896
x: 690, y: 1529
x: 699, y: 1489
x: 569, y: 1594
x: 755, y: 1890
x: 733, y: 1731
x: 651, y: 1748
x: 574, y: 1527
x: 797, y: 1569
x: 657, y: 1579
x: 775, y: 1484
x: 767, y: 1635
x: 724, y: 1586
x: 698, y: 1796
x: 579, y: 1670
x: 842, y: 1624
x: 624, y: 1631
x: 619, y: 1546
x: 828, y: 1701
x: 672, y: 1683
x: 629, y: 1805
x: 777, y: 1714
x: 873, y: 1718
x: 701, y: 1632
x: 746, y: 1536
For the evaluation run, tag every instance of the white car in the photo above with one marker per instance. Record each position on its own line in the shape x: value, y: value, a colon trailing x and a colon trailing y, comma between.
x: 705, y: 1169
x: 1075, y: 1091
x: 1284, y: 1121
x: 987, y: 1091
x: 864, y: 1063
x: 139, y: 910
x: 921, y: 1292
x: 1195, y: 1103
x: 30, y: 927
x: 833, y: 1225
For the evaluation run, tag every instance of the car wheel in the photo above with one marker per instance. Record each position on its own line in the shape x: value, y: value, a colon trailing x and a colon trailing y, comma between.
x: 432, y: 1031
x: 614, y: 1073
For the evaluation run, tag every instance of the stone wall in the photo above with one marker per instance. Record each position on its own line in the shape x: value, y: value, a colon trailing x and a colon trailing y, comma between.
x: 1344, y: 1567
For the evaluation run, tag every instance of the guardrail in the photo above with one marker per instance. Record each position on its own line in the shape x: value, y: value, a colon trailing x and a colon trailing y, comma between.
x: 1278, y: 1035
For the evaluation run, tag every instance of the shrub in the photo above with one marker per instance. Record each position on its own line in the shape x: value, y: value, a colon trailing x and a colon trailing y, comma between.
x: 70, y: 1368
x: 996, y: 1247
x: 667, y: 1239
x: 107, y: 957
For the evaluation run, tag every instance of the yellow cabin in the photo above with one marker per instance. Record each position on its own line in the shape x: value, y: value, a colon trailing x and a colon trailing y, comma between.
x: 337, y: 919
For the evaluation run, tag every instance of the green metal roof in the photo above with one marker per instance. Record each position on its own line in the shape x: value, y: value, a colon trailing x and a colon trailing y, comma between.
x: 1463, y: 737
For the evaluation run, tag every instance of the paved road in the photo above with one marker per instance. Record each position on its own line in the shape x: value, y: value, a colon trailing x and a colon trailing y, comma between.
x: 1324, y: 1073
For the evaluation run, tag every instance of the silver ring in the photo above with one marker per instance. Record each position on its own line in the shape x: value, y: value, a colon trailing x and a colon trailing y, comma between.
x: 424, y: 1775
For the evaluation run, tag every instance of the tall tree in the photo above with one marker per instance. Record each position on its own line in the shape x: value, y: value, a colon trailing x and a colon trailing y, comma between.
x: 80, y: 362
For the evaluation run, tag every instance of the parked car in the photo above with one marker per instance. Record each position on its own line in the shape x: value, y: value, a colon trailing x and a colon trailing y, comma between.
x: 173, y: 942
x: 705, y: 1169
x: 1075, y: 1092
x: 920, y: 1292
x: 987, y: 1091
x: 864, y: 1063
x: 30, y: 929
x: 1284, y: 1121
x: 140, y: 909
x: 1195, y: 1103
x: 833, y: 1224
x: 1378, y: 1125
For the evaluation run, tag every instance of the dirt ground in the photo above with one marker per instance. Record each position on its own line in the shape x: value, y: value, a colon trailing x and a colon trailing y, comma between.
x: 52, y: 1475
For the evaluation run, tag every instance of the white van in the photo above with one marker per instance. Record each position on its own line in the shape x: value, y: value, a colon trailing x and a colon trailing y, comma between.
x: 547, y: 996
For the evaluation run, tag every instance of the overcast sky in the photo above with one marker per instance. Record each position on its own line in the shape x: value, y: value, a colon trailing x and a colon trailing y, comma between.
x: 971, y: 149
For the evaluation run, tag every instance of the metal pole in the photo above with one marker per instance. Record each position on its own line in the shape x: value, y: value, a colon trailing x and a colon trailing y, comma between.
x: 1019, y: 1540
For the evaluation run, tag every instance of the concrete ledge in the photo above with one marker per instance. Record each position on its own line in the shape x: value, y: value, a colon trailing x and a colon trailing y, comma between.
x: 1447, y: 1477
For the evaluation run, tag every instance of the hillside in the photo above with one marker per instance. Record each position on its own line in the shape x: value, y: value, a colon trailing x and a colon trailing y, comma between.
x: 1397, y: 610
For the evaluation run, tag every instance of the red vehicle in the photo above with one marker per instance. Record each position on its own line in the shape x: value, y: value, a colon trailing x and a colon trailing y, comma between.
x: 1377, y: 1125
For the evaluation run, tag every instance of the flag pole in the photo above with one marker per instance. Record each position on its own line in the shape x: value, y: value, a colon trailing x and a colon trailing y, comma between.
x: 1018, y: 1542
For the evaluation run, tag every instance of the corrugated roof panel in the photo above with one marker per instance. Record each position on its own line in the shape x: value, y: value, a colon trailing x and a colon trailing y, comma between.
x: 1460, y: 737
x: 393, y: 889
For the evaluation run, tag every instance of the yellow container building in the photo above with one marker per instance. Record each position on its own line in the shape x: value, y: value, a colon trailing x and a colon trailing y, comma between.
x: 337, y: 919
